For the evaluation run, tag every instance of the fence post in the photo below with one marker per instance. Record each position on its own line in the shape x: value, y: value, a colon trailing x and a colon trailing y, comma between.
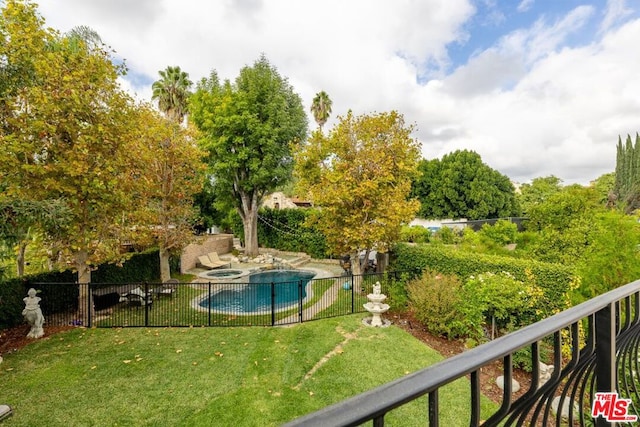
x: 146, y: 304
x: 606, y: 380
x: 353, y: 295
x: 300, y: 300
x: 89, y: 300
x: 210, y: 302
x: 273, y: 304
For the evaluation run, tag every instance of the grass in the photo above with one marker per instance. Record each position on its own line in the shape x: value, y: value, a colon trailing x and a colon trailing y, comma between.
x: 250, y: 376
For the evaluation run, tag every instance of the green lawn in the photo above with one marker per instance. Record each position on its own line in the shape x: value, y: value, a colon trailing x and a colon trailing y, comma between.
x: 251, y: 376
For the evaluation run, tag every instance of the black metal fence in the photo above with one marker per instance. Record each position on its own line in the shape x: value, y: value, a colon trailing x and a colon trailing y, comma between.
x: 246, y: 301
x: 593, y: 348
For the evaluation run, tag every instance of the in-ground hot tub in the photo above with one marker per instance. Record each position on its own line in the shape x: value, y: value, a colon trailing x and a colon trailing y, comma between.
x: 225, y: 274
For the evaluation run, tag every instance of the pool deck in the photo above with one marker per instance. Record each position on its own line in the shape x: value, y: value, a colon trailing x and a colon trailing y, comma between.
x: 328, y: 270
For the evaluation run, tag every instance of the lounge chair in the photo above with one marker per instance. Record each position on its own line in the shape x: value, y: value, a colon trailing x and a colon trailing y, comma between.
x: 206, y: 261
x: 137, y: 297
x: 213, y: 256
x: 167, y: 288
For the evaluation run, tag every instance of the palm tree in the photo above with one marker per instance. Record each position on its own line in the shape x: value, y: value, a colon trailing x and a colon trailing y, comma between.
x: 321, y: 108
x: 85, y: 34
x: 172, y: 93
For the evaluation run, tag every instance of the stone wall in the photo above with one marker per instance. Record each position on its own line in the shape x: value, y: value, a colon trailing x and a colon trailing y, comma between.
x: 220, y: 243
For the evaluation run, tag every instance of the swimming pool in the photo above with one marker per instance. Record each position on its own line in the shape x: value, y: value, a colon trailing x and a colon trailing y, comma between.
x: 255, y: 296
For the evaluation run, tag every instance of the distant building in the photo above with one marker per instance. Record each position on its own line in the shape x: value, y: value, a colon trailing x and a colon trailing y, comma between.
x: 279, y: 200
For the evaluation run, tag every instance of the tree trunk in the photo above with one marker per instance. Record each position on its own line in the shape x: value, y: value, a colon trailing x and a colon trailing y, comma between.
x: 165, y: 271
x: 249, y: 214
x: 250, y: 223
x: 356, y: 271
x: 85, y: 300
x: 22, y: 247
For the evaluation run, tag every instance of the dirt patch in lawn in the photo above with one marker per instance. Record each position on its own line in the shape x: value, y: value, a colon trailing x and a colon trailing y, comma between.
x: 14, y: 339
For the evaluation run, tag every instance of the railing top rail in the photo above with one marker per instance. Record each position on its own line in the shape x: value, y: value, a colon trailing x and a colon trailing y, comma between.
x: 380, y: 400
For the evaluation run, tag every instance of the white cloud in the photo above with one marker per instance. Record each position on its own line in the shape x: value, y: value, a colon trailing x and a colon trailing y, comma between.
x: 528, y: 104
x: 615, y: 11
x: 525, y: 5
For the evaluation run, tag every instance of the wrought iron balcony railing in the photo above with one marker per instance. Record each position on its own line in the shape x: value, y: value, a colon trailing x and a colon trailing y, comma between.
x: 594, y: 349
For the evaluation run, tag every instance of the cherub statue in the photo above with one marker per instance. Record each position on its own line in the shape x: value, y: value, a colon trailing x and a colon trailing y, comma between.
x: 33, y: 314
x: 377, y: 289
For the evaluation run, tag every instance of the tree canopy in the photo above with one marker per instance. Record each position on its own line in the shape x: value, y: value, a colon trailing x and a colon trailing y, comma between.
x: 172, y: 93
x: 360, y: 176
x: 627, y: 174
x: 248, y: 128
x: 538, y: 191
x: 462, y: 186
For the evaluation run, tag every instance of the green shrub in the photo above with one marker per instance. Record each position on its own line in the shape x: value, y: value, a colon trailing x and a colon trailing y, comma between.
x: 522, y: 358
x: 286, y: 230
x: 438, y: 301
x: 556, y: 281
x: 501, y: 233
x: 506, y: 303
x: 141, y: 267
x: 396, y: 290
x: 447, y: 236
x: 415, y: 234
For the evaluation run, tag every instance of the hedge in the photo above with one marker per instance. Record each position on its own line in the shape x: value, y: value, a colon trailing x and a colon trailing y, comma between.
x: 556, y: 280
x: 285, y: 230
x: 59, y: 293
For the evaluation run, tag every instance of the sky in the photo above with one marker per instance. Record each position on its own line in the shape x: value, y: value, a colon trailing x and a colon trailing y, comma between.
x: 535, y: 87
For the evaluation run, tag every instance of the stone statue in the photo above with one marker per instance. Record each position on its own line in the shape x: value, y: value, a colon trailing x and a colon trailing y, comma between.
x: 33, y: 314
x: 377, y: 289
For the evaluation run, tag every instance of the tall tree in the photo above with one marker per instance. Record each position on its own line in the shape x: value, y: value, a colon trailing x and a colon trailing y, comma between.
x: 172, y: 93
x: 248, y: 128
x: 321, y: 108
x: 86, y: 35
x: 173, y: 173
x: 462, y: 186
x: 70, y: 133
x: 565, y: 222
x: 360, y: 176
x: 627, y: 184
x: 539, y: 190
x: 605, y: 187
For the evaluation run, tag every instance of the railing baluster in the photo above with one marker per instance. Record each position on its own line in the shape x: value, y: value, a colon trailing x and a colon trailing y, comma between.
x: 475, y: 399
x: 434, y: 409
x: 605, y: 353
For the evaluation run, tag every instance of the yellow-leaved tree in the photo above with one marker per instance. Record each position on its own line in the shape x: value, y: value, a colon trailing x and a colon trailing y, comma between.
x: 173, y: 172
x: 70, y: 133
x: 360, y: 177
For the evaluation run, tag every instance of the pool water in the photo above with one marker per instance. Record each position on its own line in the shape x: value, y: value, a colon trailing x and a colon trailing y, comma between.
x: 256, y: 295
